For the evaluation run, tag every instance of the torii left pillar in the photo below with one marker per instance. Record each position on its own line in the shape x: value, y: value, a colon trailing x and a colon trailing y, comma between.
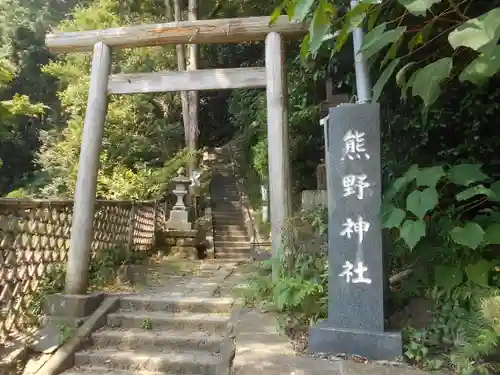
x: 86, y: 182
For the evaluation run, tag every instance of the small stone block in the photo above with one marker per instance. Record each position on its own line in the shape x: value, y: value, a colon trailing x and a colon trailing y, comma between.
x: 314, y: 198
x: 181, y: 233
x: 179, y: 216
x: 52, y: 335
x: 72, y: 306
x: 188, y: 241
x: 324, y: 338
x: 184, y: 252
x: 178, y: 226
x: 171, y: 240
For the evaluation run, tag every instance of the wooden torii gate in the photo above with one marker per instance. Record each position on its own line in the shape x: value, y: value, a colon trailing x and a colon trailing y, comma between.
x: 232, y: 30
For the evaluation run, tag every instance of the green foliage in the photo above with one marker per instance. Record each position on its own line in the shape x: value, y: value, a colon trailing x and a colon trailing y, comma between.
x: 299, y: 292
x: 102, y: 269
x: 463, y: 35
x: 439, y: 218
x: 147, y: 324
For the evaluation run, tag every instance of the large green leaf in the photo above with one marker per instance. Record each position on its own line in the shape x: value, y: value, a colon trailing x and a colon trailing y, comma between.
x: 304, y: 47
x: 430, y: 176
x: 421, y: 37
x: 384, y: 77
x: 428, y: 80
x: 495, y: 191
x: 472, y: 192
x: 479, y: 272
x: 353, y: 19
x: 420, y: 202
x: 391, y: 54
x: 448, y: 277
x: 478, y: 32
x: 412, y: 231
x: 492, y: 234
x: 418, y: 7
x: 320, y: 26
x: 471, y: 235
x: 377, y: 39
x: 276, y: 14
x: 401, y: 75
x: 301, y: 9
x: 482, y: 67
x: 409, y: 84
x: 392, y: 217
x: 466, y: 174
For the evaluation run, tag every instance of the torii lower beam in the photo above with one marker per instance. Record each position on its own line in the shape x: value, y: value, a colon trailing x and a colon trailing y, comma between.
x: 196, y: 80
x: 228, y: 30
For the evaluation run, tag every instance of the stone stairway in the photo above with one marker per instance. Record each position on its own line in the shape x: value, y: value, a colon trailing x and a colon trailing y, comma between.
x: 176, y: 327
x: 231, y: 240
x: 155, y: 334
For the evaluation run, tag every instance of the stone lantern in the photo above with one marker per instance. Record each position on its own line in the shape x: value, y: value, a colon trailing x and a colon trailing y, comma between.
x: 179, y: 213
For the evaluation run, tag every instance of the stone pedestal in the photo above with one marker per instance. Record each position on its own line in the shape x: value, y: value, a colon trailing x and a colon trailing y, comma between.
x: 182, y: 243
x: 313, y: 198
x: 64, y: 314
x: 357, y: 279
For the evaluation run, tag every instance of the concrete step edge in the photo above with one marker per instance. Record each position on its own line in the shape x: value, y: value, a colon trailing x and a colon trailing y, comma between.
x: 177, y: 362
x: 177, y: 304
x: 159, y: 320
x: 164, y: 339
x: 97, y: 370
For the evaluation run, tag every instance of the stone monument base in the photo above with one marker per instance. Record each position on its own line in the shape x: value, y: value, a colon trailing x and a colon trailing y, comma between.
x: 64, y: 314
x: 323, y: 338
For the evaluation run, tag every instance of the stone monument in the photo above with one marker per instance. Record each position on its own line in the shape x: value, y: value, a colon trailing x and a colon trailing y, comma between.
x: 355, y: 323
x: 179, y: 214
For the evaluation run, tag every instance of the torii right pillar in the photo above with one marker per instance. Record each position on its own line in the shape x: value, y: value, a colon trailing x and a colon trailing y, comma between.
x: 280, y: 197
x: 357, y: 281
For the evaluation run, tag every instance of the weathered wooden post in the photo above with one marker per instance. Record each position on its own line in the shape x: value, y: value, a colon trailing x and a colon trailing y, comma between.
x: 131, y: 227
x: 356, y: 282
x: 83, y: 211
x: 277, y: 133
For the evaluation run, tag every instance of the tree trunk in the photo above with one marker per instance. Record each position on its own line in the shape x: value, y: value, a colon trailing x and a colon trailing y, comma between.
x: 194, y: 96
x: 176, y: 16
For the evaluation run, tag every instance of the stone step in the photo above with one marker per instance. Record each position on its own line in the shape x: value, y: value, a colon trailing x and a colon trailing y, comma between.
x: 177, y: 304
x: 154, y: 320
x: 229, y: 221
x: 237, y: 214
x: 224, y: 236
x: 236, y: 255
x: 227, y: 197
x: 230, y: 227
x: 189, y: 362
x: 97, y: 370
x: 231, y: 244
x: 235, y: 260
x: 226, y: 205
x: 136, y: 339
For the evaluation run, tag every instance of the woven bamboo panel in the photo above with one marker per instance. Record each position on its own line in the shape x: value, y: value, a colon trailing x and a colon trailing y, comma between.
x: 35, y: 234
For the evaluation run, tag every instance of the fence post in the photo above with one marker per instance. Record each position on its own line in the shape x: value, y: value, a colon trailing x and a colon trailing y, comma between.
x: 131, y: 224
x: 165, y: 214
x: 155, y: 210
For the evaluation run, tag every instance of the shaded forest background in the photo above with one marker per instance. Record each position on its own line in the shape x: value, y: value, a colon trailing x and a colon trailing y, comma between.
x: 144, y: 133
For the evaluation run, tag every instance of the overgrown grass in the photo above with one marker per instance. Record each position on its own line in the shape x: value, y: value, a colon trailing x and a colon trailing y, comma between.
x: 103, y: 271
x: 299, y: 293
